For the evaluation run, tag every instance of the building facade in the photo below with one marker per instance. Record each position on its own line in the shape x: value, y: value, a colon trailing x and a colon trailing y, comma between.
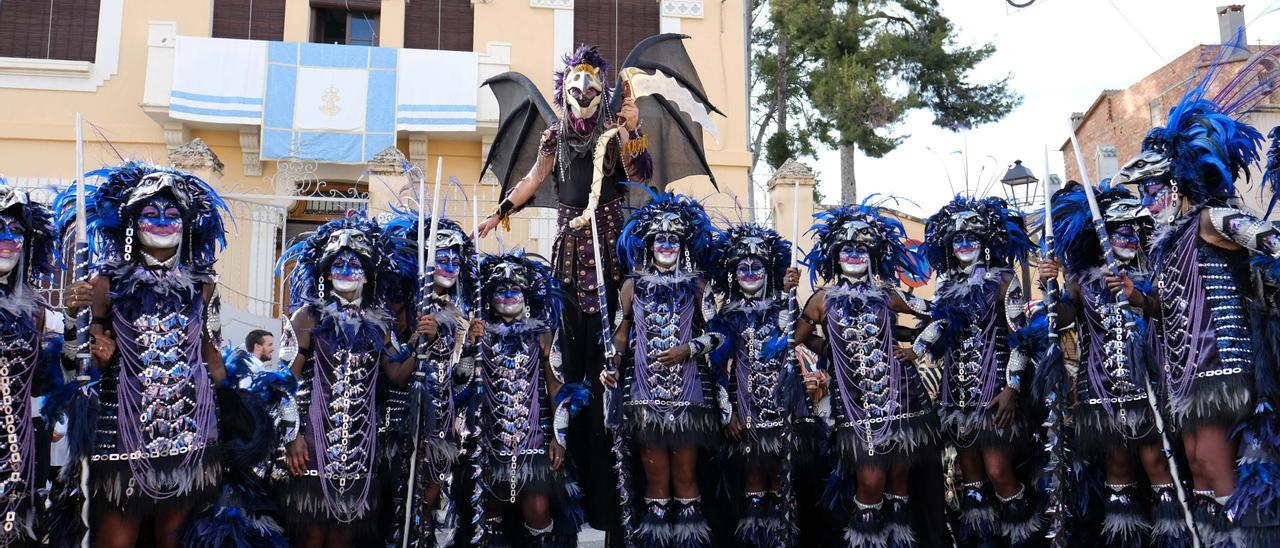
x: 1111, y: 129
x: 141, y: 73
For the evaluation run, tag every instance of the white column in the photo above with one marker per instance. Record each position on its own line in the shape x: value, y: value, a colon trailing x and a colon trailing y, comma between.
x: 669, y: 24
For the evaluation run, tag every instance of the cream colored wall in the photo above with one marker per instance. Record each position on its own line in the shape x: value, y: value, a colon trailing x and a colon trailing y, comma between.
x: 37, y: 133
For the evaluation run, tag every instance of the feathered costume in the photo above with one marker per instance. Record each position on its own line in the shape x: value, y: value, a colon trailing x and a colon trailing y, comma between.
x: 26, y: 369
x: 1111, y: 411
x: 349, y: 343
x: 677, y: 406
x: 974, y: 312
x: 517, y: 413
x: 1217, y: 323
x: 156, y: 439
x: 763, y: 392
x: 431, y: 405
x: 880, y: 409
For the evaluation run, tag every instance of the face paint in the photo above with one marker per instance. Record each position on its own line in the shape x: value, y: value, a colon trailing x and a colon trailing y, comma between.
x: 508, y: 302
x: 1158, y: 198
x: 666, y: 250
x: 1125, y: 242
x: 448, y: 263
x: 347, y: 274
x: 751, y: 276
x: 966, y: 248
x: 160, y: 223
x: 854, y: 261
x: 12, y: 238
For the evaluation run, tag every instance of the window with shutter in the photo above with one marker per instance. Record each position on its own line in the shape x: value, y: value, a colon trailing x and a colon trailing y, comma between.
x: 49, y: 29
x: 439, y: 24
x: 615, y: 26
x: 350, y: 22
x: 249, y: 19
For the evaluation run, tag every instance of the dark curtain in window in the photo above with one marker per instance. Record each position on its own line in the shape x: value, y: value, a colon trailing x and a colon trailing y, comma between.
x: 439, y: 24
x: 248, y: 19
x: 615, y: 26
x: 49, y: 29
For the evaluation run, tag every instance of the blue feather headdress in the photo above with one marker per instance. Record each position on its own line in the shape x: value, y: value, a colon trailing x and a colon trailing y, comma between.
x: 112, y: 208
x: 313, y: 254
x: 670, y: 213
x: 862, y: 224
x: 1204, y: 141
x: 1001, y: 230
x: 39, y: 253
x: 749, y: 240
x: 1075, y: 241
x: 542, y: 295
x: 402, y: 230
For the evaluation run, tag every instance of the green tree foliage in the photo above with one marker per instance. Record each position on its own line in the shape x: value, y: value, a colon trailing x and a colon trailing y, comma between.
x: 853, y: 70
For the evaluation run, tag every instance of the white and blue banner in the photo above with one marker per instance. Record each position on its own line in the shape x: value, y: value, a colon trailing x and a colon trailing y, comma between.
x: 218, y: 80
x: 324, y: 102
x: 437, y: 90
x: 328, y: 103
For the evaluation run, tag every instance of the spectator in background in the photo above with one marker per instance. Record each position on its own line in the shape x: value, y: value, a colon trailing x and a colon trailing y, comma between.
x: 261, y: 344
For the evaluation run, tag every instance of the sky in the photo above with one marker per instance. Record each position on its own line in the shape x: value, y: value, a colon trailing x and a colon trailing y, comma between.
x: 1062, y: 54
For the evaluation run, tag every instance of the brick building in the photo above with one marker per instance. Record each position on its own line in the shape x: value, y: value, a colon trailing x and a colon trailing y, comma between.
x: 1112, y: 128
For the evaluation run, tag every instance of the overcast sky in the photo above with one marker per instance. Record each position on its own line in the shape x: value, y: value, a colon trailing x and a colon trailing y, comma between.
x: 1062, y: 54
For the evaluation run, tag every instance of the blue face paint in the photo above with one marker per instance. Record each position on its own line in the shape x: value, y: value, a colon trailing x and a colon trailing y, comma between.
x: 854, y: 254
x: 750, y: 270
x: 666, y: 243
x: 347, y: 267
x: 12, y: 237
x: 160, y: 216
x: 1125, y: 236
x: 448, y: 263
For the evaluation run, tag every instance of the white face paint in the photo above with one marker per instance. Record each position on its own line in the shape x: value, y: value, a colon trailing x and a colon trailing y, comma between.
x: 751, y: 276
x: 508, y: 302
x: 448, y: 263
x: 1124, y: 243
x: 855, y: 261
x: 347, y: 275
x: 12, y: 240
x: 1159, y: 198
x: 666, y: 251
x: 966, y: 249
x: 160, y: 224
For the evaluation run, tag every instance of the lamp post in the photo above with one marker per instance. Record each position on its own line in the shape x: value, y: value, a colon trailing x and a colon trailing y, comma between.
x: 1022, y: 193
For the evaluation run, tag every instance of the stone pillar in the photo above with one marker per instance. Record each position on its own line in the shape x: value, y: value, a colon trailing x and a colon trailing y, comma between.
x: 787, y: 210
x: 198, y: 159
x: 389, y: 183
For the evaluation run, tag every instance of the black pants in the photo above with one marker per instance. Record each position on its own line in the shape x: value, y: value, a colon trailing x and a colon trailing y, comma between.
x: 590, y: 445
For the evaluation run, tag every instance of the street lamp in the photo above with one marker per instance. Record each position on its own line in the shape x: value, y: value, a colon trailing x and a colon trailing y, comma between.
x: 1022, y: 192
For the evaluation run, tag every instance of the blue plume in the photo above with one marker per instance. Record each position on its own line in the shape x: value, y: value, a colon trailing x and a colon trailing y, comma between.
x: 239, y: 363
x: 311, y: 263
x: 1257, y: 494
x: 1003, y: 232
x: 773, y: 347
x: 82, y: 418
x: 109, y: 218
x: 578, y: 394
x: 1271, y: 175
x: 699, y: 238
x: 402, y: 230
x: 890, y: 255
x: 57, y: 391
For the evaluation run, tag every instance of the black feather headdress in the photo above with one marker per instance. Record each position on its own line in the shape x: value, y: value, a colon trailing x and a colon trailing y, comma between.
x: 313, y: 254
x: 749, y: 240
x: 1001, y: 230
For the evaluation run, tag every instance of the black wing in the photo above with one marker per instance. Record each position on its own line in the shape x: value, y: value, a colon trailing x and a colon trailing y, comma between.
x: 523, y: 115
x: 675, y: 140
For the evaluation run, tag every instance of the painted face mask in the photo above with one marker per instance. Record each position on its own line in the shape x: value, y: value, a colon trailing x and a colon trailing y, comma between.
x: 160, y: 223
x: 854, y: 261
x: 666, y: 250
x: 347, y: 273
x: 583, y: 89
x: 448, y: 263
x: 12, y: 238
x: 1125, y: 242
x: 1158, y: 196
x: 508, y: 302
x: 966, y: 248
x: 751, y: 276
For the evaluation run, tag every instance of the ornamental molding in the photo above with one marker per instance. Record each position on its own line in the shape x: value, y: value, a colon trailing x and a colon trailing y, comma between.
x: 554, y: 4
x: 688, y: 9
x: 195, y: 155
x: 390, y: 161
